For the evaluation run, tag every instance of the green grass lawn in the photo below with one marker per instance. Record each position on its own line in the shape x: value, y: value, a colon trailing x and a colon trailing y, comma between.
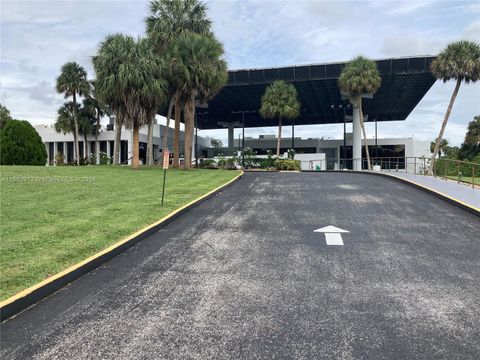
x: 465, y: 179
x: 47, y: 226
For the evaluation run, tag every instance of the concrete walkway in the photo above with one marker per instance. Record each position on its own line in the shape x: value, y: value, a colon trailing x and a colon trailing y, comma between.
x: 462, y: 192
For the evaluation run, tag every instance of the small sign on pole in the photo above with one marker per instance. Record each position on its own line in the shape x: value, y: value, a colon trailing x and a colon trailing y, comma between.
x: 166, y: 159
x: 166, y: 162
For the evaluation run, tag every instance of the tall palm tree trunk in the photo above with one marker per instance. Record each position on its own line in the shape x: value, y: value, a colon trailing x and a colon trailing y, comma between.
x: 117, y: 141
x: 136, y: 147
x: 279, y: 139
x: 189, y: 109
x: 75, y: 121
x: 97, y: 130
x: 150, y: 143
x: 167, y: 129
x: 85, y: 147
x: 365, y: 141
x: 176, y: 136
x: 75, y: 138
x: 444, y: 125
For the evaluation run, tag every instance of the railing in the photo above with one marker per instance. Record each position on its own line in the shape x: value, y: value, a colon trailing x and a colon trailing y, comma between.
x: 448, y: 169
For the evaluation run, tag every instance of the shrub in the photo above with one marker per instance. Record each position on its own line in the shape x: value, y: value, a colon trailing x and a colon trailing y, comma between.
x: 291, y: 154
x: 207, y: 164
x: 231, y: 163
x: 84, y: 161
x: 270, y: 161
x: 249, y: 157
x: 222, y: 163
x: 60, y: 159
x: 287, y: 164
x: 92, y: 159
x: 104, y: 158
x: 20, y: 144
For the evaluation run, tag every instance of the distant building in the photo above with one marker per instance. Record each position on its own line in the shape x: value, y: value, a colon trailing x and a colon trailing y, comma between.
x: 56, y: 143
x: 334, y: 150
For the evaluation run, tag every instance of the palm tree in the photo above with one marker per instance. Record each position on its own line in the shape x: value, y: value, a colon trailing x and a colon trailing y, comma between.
x: 113, y: 52
x: 72, y: 81
x: 280, y: 102
x: 93, y: 105
x: 167, y: 20
x: 443, y: 146
x: 200, y: 72
x: 87, y: 121
x: 65, y: 122
x: 460, y: 60
x: 360, y: 77
x: 132, y: 86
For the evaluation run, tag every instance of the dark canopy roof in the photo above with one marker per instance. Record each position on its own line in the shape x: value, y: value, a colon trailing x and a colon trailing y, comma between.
x: 404, y: 83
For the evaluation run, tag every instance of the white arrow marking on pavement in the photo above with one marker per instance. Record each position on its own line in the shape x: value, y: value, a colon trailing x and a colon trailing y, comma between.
x: 332, y: 234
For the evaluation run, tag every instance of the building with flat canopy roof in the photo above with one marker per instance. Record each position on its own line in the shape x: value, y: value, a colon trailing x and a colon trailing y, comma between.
x: 405, y: 81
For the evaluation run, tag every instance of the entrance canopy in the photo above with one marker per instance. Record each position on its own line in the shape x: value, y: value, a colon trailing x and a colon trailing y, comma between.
x: 404, y: 83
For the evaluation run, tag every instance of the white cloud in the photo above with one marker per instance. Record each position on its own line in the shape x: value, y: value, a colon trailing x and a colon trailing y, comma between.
x: 37, y: 37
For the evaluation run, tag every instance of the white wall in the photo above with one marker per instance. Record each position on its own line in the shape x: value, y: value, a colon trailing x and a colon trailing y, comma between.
x: 310, y: 161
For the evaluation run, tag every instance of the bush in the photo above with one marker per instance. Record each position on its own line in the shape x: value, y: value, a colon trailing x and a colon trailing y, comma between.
x: 92, y: 159
x: 20, y: 144
x: 270, y: 161
x: 231, y: 163
x: 104, y: 158
x: 249, y: 157
x: 60, y: 159
x: 84, y: 161
x: 291, y: 154
x: 287, y: 164
x: 207, y: 164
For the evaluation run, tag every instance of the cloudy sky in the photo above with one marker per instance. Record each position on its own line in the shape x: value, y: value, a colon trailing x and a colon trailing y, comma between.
x: 37, y: 37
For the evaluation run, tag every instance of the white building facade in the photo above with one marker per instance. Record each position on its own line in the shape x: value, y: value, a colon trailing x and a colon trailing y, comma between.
x: 336, y: 155
x: 60, y: 145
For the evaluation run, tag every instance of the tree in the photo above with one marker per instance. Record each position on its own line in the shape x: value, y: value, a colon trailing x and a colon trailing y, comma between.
x: 169, y: 19
x: 66, y: 119
x: 93, y: 105
x: 113, y: 52
x: 20, y: 144
x: 359, y: 77
x: 73, y: 82
x: 216, y: 143
x: 473, y: 133
x: 280, y: 102
x: 201, y: 71
x: 131, y: 84
x: 443, y: 146
x: 460, y: 61
x: 87, y: 121
x: 470, y: 148
x: 4, y: 116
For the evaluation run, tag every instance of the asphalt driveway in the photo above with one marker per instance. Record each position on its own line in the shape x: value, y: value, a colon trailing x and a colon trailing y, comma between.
x: 244, y: 276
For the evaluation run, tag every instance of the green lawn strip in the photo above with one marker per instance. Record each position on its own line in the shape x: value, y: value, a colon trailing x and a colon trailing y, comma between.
x: 48, y: 226
x: 465, y: 179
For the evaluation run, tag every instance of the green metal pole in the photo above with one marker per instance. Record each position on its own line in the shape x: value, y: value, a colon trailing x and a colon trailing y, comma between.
x: 163, y: 189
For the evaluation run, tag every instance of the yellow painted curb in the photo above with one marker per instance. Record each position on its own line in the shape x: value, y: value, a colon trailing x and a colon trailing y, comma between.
x: 434, y: 191
x: 72, y: 268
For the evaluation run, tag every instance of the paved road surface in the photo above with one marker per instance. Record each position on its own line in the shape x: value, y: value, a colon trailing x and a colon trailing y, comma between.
x: 243, y: 276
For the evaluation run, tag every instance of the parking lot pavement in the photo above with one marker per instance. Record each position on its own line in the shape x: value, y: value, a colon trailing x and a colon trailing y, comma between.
x: 244, y: 276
